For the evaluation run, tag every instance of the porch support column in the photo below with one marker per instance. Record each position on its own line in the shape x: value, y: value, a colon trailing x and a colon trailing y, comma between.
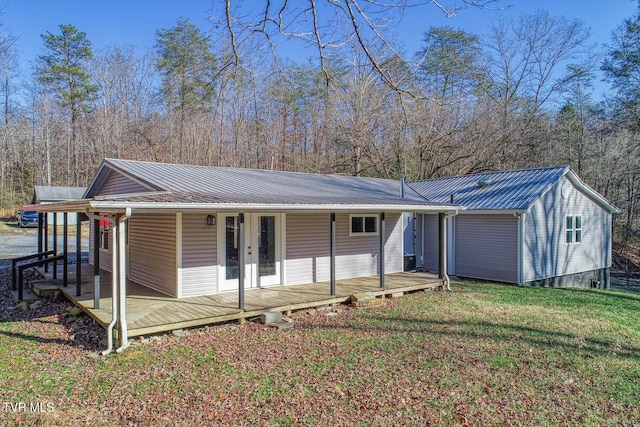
x: 381, y: 257
x: 40, y: 230
x: 55, y: 244
x: 78, y: 253
x: 55, y: 234
x: 241, y: 261
x: 332, y: 254
x: 96, y: 264
x: 65, y: 244
x: 442, y: 246
x: 45, y: 237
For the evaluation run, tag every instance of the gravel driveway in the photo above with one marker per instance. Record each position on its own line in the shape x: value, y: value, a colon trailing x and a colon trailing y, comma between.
x: 24, y: 241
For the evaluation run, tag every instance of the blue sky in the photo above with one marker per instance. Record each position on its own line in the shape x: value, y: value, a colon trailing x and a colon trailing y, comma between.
x: 116, y: 22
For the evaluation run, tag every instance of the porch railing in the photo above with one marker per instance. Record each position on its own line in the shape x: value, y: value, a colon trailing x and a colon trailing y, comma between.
x: 44, y: 258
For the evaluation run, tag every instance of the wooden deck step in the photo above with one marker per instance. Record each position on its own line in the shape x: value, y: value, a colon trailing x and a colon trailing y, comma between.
x: 27, y: 295
x: 45, y: 287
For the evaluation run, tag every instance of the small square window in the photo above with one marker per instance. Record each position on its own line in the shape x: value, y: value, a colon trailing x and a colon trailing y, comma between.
x: 364, y: 225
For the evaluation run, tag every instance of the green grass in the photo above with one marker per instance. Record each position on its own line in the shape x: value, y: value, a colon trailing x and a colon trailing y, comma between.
x: 482, y: 354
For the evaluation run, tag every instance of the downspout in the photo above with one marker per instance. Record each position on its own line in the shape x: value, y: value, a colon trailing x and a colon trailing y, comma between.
x: 446, y: 274
x: 422, y: 257
x: 114, y: 288
x: 122, y: 273
x: 520, y: 267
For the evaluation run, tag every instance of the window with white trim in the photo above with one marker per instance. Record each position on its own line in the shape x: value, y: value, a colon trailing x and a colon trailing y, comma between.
x: 573, y: 229
x: 362, y: 225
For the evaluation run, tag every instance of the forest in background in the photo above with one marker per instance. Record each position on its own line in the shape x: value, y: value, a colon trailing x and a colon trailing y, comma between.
x: 519, y: 96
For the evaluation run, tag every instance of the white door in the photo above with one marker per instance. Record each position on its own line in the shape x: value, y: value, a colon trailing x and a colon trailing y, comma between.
x: 262, y: 247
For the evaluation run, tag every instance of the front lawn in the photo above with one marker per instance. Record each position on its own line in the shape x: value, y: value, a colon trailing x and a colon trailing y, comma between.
x: 482, y: 354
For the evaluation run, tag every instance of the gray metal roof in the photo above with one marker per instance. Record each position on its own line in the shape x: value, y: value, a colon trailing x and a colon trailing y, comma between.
x: 505, y: 190
x: 204, y: 184
x: 49, y: 194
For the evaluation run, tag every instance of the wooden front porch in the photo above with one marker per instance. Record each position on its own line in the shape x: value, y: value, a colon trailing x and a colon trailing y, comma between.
x: 149, y: 311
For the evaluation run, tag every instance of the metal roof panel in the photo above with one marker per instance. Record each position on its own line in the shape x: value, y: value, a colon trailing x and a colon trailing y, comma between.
x: 268, y: 187
x: 504, y: 190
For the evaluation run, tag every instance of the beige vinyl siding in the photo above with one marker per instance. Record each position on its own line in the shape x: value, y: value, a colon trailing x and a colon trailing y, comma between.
x: 199, y: 271
x: 394, y: 244
x: 152, y: 249
x: 308, y: 248
x: 116, y: 183
x: 357, y: 256
x: 546, y: 254
x: 486, y: 247
x: 428, y: 242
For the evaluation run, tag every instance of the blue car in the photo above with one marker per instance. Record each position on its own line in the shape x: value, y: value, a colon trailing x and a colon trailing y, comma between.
x: 27, y: 219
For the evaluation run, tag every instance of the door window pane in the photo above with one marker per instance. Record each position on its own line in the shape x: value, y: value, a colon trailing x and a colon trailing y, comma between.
x: 267, y: 249
x: 231, y: 247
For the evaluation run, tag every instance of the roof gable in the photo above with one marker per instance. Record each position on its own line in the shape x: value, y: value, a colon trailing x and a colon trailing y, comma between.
x: 49, y: 194
x: 514, y: 190
x: 111, y: 180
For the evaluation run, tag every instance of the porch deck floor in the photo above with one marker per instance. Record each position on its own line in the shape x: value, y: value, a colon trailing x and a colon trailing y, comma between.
x: 149, y: 311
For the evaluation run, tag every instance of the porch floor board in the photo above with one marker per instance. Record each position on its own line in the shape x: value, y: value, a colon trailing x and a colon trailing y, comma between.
x: 149, y: 311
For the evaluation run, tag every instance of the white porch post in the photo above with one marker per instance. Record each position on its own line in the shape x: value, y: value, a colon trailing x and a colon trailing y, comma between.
x: 96, y: 263
x: 241, y: 266
x: 381, y: 256
x: 65, y: 244
x: 78, y: 252
x: 332, y: 254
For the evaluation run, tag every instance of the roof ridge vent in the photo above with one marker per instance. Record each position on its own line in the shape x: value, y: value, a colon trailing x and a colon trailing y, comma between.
x: 485, y: 182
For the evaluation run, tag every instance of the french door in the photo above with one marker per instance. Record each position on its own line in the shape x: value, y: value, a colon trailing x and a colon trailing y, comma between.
x: 262, y: 250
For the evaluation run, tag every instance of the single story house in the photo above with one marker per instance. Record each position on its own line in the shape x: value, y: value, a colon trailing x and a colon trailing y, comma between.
x: 45, y: 194
x: 183, y: 229
x: 540, y: 226
x: 189, y: 231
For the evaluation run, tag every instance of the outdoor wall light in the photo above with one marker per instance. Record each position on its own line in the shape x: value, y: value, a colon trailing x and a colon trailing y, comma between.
x: 211, y: 220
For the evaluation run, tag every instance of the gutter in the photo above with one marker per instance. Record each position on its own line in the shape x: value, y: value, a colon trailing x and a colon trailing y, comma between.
x: 112, y: 206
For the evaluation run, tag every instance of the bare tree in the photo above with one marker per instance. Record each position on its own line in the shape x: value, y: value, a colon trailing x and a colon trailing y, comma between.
x: 329, y: 25
x: 524, y: 69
